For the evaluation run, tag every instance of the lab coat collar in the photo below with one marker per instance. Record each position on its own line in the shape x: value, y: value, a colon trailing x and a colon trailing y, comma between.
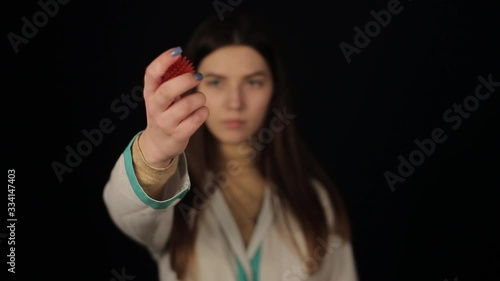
x: 230, y: 230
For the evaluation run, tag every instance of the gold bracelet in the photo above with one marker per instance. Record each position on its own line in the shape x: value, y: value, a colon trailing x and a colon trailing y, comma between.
x: 147, y: 163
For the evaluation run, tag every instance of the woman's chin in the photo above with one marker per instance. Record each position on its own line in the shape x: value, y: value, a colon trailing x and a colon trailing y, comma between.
x: 234, y: 139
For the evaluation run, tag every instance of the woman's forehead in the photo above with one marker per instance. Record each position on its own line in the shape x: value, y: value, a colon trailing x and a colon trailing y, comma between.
x: 237, y: 60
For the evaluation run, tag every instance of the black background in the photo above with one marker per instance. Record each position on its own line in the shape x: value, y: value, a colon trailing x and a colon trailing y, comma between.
x: 440, y: 223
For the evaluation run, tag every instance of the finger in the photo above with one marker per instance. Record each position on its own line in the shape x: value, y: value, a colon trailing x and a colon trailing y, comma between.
x: 182, y: 108
x: 172, y: 89
x: 192, y: 122
x: 157, y: 68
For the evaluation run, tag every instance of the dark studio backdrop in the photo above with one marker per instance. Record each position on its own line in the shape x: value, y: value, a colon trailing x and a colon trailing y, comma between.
x: 393, y: 115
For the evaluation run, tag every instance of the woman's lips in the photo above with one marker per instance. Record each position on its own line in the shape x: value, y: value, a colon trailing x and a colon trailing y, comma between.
x: 233, y: 123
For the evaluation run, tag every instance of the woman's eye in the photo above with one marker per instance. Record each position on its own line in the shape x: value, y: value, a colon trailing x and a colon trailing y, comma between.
x: 255, y: 83
x: 214, y: 83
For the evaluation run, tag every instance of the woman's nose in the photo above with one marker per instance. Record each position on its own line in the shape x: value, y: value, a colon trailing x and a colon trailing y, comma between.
x: 235, y: 98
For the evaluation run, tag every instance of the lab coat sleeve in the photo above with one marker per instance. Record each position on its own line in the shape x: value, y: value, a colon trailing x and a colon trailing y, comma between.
x: 142, y: 218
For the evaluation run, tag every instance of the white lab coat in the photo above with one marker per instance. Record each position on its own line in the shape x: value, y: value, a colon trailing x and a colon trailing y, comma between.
x: 220, y: 251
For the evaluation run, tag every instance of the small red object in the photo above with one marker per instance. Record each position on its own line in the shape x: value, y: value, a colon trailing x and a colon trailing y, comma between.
x: 181, y: 66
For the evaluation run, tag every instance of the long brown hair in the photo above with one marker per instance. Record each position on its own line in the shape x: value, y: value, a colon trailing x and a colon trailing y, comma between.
x: 285, y: 160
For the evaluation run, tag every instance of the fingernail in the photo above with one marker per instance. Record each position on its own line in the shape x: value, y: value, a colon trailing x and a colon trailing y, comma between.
x: 176, y: 51
x: 198, y: 76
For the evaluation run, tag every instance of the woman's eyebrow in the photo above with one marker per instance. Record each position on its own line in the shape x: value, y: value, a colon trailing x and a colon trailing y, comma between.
x: 261, y: 72
x: 213, y: 75
x: 219, y: 76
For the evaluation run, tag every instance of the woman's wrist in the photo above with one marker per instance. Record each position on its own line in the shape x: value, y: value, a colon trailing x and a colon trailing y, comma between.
x: 148, y: 155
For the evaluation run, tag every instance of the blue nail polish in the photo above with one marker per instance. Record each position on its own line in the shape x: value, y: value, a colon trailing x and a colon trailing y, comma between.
x: 198, y: 76
x: 176, y: 51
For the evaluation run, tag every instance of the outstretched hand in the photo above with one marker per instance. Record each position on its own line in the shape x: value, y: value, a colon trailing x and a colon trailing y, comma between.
x: 171, y: 118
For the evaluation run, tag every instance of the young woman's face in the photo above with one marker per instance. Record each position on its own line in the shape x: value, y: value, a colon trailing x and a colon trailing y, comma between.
x: 238, y: 86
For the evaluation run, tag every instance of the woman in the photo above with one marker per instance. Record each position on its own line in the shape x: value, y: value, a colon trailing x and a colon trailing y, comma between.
x: 219, y: 186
